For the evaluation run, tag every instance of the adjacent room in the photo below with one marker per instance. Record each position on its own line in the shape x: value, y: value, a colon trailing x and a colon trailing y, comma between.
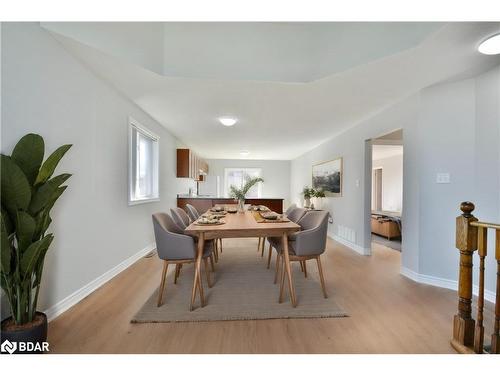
x: 387, y: 190
x: 250, y: 187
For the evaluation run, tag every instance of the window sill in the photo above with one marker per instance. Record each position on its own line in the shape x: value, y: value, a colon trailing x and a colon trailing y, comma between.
x: 141, y: 201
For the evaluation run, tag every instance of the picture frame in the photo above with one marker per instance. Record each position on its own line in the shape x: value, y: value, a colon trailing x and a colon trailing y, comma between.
x: 328, y: 176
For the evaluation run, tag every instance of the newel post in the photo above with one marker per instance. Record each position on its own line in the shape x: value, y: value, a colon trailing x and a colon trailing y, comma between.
x: 466, y: 242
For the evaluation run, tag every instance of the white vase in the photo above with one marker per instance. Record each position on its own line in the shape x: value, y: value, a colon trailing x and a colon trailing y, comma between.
x: 307, y: 202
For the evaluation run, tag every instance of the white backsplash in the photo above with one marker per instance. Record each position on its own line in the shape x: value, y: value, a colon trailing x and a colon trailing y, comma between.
x: 184, y: 184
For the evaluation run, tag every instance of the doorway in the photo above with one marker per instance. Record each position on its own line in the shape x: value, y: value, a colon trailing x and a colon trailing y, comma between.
x: 386, y: 190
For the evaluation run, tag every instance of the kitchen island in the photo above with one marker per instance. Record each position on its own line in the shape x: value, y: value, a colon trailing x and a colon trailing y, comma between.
x: 203, y: 203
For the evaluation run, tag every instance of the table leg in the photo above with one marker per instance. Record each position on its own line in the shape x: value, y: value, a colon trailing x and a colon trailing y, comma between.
x: 291, y: 288
x: 197, y: 273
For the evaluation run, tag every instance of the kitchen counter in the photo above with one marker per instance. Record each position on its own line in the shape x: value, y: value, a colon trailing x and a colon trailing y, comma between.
x: 203, y: 203
x: 214, y: 197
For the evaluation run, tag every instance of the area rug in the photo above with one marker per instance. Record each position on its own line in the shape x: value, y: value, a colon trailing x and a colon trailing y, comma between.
x: 243, y: 290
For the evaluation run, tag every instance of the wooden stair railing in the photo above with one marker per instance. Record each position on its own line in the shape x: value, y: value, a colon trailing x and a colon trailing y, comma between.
x: 472, y: 235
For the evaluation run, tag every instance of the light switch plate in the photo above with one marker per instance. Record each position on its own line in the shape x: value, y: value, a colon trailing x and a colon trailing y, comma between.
x: 443, y: 178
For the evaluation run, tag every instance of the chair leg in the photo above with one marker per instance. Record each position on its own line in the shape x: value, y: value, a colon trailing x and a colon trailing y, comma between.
x: 263, y: 246
x: 282, y: 283
x: 278, y: 256
x: 269, y: 256
x: 305, y: 268
x: 258, y: 245
x: 177, y: 272
x: 320, y: 269
x: 212, y: 262
x: 162, y: 283
x: 301, y: 266
x: 207, y: 272
x: 220, y: 245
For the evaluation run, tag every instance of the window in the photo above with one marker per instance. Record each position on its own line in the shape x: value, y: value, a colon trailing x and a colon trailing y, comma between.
x: 238, y: 176
x: 143, y: 164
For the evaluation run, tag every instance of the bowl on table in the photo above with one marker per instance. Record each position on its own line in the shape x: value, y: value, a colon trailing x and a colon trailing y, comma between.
x: 209, y: 221
x: 270, y: 215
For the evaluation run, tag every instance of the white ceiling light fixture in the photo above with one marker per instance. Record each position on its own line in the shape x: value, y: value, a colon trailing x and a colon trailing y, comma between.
x: 490, y: 46
x: 244, y: 152
x: 227, y: 121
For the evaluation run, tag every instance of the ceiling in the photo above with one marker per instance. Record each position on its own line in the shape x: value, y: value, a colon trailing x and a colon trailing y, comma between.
x: 282, y: 52
x: 291, y: 86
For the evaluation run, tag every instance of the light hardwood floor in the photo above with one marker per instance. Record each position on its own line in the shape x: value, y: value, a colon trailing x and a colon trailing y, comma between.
x: 388, y: 314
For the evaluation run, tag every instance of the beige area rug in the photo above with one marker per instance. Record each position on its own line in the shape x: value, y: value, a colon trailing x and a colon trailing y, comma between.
x: 243, y: 290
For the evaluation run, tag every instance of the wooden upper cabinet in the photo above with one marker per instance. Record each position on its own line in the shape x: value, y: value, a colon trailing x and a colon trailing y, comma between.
x: 189, y: 165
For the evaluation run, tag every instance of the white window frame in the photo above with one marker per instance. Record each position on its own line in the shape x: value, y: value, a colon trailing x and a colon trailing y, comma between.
x: 134, y: 125
x: 226, y: 186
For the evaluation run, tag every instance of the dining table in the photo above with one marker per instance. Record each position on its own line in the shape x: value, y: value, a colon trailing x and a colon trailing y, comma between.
x: 240, y: 225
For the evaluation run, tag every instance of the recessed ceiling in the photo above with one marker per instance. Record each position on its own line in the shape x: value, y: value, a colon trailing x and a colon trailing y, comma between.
x: 257, y: 51
x: 282, y: 52
x: 282, y: 120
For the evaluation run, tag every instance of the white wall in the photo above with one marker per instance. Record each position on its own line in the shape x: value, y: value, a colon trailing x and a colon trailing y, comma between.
x: 349, y: 210
x: 392, y: 182
x: 46, y: 91
x: 276, y: 175
x: 452, y: 127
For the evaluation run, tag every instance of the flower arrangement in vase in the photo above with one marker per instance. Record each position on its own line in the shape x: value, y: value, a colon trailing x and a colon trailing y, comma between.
x: 240, y: 194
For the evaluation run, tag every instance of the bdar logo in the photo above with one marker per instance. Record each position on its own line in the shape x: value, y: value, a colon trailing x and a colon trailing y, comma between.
x: 8, y: 347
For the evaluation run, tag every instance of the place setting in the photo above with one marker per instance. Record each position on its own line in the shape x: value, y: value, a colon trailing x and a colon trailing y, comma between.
x: 269, y: 217
x: 211, y: 219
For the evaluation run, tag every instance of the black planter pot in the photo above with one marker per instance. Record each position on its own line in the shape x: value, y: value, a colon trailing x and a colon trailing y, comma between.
x: 35, y: 335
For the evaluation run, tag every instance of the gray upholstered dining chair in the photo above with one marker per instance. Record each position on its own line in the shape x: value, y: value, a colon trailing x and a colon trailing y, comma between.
x: 182, y: 220
x: 180, y: 217
x: 174, y: 247
x: 308, y: 243
x: 293, y: 213
x: 262, y: 240
x: 296, y: 214
x: 192, y: 212
x: 290, y: 208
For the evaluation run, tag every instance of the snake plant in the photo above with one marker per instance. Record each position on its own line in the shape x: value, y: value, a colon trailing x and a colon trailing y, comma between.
x: 28, y: 193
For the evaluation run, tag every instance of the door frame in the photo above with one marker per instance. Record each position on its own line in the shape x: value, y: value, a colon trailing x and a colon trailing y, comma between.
x: 367, y: 186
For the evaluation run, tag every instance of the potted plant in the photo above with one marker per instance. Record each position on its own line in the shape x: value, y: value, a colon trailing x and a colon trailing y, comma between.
x: 318, y: 198
x: 307, y: 193
x: 240, y: 194
x: 28, y: 193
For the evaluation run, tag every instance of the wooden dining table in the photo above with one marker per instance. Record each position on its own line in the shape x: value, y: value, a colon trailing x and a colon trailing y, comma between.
x: 240, y: 225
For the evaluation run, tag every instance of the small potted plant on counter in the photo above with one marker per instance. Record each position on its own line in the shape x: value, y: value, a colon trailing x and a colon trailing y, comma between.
x: 307, y: 193
x: 318, y: 196
x: 28, y: 194
x: 240, y: 194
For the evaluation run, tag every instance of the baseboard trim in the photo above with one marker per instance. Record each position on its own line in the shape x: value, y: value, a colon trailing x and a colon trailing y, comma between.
x: 83, y: 292
x: 443, y: 283
x: 359, y: 249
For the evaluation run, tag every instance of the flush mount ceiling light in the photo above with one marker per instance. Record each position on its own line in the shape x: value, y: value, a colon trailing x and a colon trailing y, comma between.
x: 244, y: 152
x: 490, y: 46
x: 227, y: 121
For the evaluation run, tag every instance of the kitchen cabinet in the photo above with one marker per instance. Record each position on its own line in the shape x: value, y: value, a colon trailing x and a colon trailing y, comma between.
x: 190, y: 165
